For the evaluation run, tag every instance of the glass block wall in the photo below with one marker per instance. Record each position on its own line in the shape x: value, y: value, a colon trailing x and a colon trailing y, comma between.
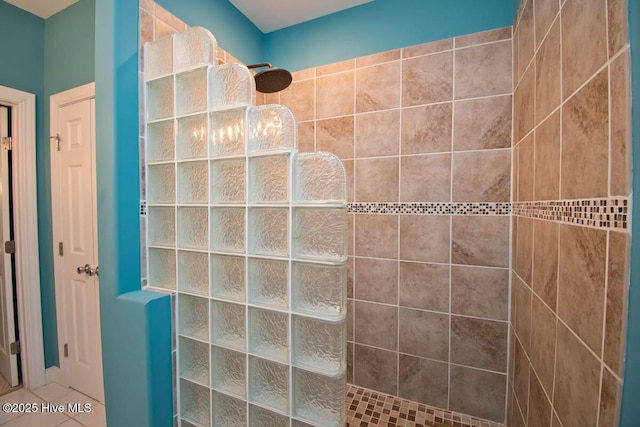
x: 251, y: 235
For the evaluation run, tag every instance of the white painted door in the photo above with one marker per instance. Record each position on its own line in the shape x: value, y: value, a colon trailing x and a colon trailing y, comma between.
x: 8, y: 361
x: 76, y: 208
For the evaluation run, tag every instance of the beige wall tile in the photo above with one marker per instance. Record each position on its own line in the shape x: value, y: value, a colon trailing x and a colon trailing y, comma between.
x: 376, y: 236
x: 350, y: 270
x: 545, y: 12
x: 482, y: 176
x: 306, y: 137
x: 548, y: 69
x: 524, y: 254
x: 309, y: 73
x: 377, y: 180
x: 584, y: 23
x: 334, y: 95
x: 378, y: 58
x: 539, y: 405
x: 543, y: 349
x: 170, y: 19
x: 483, y: 70
x: 618, y: 25
x: 336, y: 136
x: 349, y: 168
x: 376, y: 369
x: 620, y: 149
x: 350, y: 305
x: 581, y: 279
x: 585, y: 142
x: 378, y: 134
x: 425, y: 178
x: 272, y: 98
x: 148, y: 5
x: 610, y: 395
x: 162, y: 29
x: 526, y: 40
x: 483, y: 123
x: 350, y: 351
x: 483, y: 37
x: 547, y: 159
x: 523, y: 105
x: 424, y: 286
x: 577, y: 385
x: 526, y: 168
x: 426, y: 129
x: 515, y: 50
x: 427, y: 79
x: 427, y: 48
x: 521, y: 380
x: 545, y: 261
x: 423, y: 333
x: 299, y: 99
x: 377, y: 280
x: 336, y: 67
x: 479, y: 343
x: 478, y: 393
x: 146, y: 34
x: 618, y: 273
x: 422, y: 380
x: 522, y: 298
x: 424, y: 238
x: 480, y: 292
x: 480, y: 240
x: 376, y: 325
x: 378, y: 87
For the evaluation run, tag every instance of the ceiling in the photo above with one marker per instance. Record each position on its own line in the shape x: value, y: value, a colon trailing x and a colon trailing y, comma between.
x: 267, y: 15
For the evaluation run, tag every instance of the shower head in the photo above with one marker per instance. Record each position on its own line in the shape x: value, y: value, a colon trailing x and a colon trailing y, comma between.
x: 272, y: 79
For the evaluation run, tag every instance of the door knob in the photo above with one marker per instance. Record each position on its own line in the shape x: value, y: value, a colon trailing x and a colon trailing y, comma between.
x: 86, y: 269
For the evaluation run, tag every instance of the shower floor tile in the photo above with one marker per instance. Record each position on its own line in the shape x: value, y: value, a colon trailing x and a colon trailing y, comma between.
x: 370, y: 408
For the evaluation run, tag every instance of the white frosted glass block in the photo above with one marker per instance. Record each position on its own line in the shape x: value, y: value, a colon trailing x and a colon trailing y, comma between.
x: 319, y: 290
x: 162, y: 268
x: 193, y: 272
x: 271, y: 127
x: 185, y: 423
x: 231, y: 84
x: 260, y: 417
x: 194, y: 360
x: 319, y: 345
x: 194, y: 403
x: 191, y: 137
x: 160, y: 141
x: 193, y: 182
x: 269, y: 179
x: 192, y: 228
x: 227, y: 277
x: 193, y: 317
x: 227, y: 134
x: 297, y: 423
x: 228, y: 411
x: 161, y: 180
x: 195, y: 46
x: 269, y: 334
x: 227, y: 229
x: 161, y: 226
x: 158, y: 58
x: 320, y: 233
x: 160, y: 98
x: 228, y: 181
x: 269, y: 231
x: 269, y: 383
x: 268, y: 283
x: 191, y: 91
x: 228, y: 371
x: 319, y: 399
x: 228, y: 327
x: 319, y: 178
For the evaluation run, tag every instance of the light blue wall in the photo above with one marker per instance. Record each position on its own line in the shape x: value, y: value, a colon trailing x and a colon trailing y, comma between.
x: 68, y: 62
x: 379, y: 26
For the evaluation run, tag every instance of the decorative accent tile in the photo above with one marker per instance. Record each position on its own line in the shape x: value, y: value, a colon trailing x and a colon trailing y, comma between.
x: 143, y: 208
x: 369, y: 408
x: 432, y: 208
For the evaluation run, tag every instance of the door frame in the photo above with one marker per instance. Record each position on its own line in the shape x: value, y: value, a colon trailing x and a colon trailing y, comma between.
x: 57, y: 101
x: 25, y: 204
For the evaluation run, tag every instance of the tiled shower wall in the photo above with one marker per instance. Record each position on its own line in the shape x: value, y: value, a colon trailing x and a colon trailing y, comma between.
x: 570, y: 281
x: 425, y: 135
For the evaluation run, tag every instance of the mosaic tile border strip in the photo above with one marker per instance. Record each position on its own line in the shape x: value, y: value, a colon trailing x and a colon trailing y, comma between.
x: 432, y: 208
x: 609, y: 212
x: 370, y: 408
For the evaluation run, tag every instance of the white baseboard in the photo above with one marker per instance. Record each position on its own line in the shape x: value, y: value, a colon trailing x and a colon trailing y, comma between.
x: 53, y: 374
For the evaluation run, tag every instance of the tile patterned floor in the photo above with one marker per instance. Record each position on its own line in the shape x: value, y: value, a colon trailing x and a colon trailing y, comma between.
x: 46, y: 397
x: 367, y: 408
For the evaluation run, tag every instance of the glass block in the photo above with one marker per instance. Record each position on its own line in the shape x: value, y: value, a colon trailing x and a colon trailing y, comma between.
x: 228, y: 371
x: 194, y: 360
x: 260, y: 417
x: 320, y: 233
x: 269, y: 334
x: 160, y: 99
x: 227, y: 277
x: 227, y: 229
x: 158, y: 58
x: 298, y: 423
x: 319, y: 178
x: 191, y: 137
x: 193, y: 317
x: 162, y: 268
x: 194, y: 402
x: 192, y: 228
x: 269, y: 231
x: 231, y: 84
x: 160, y: 141
x: 271, y: 127
x: 161, y: 226
x: 268, y: 283
x: 193, y: 182
x: 161, y: 180
x: 228, y: 181
x: 191, y: 92
x: 228, y: 411
x: 185, y: 423
x: 319, y: 399
x: 319, y: 290
x: 227, y: 132
x: 228, y: 325
x: 269, y: 383
x: 195, y: 46
x: 193, y: 272
x: 269, y: 179
x: 319, y: 345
